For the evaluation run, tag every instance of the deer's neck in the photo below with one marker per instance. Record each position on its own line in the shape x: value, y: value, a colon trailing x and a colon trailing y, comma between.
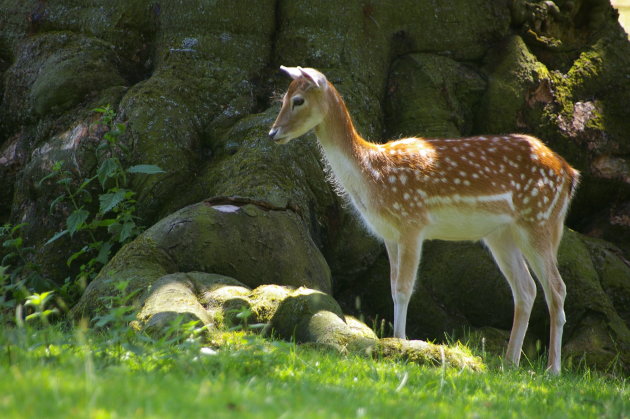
x: 343, y: 147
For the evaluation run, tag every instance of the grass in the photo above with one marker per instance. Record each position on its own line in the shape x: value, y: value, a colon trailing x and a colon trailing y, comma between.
x: 51, y: 372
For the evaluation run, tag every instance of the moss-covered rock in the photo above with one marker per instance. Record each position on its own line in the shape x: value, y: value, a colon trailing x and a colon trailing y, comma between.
x: 512, y: 72
x: 308, y: 316
x: 614, y: 274
x: 54, y: 72
x: 257, y: 245
x: 425, y: 353
x: 431, y: 96
x: 168, y: 300
x: 293, y: 318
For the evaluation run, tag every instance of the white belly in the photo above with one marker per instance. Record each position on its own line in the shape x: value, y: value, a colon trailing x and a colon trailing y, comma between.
x: 469, y: 224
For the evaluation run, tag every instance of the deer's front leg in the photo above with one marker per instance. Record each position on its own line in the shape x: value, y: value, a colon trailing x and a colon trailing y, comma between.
x: 404, y: 257
x: 392, y: 254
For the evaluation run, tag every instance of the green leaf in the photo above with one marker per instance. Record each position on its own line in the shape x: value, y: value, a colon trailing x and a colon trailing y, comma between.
x: 118, y: 129
x: 103, y: 253
x: 57, y: 236
x: 114, y: 228
x: 102, y: 223
x: 107, y: 169
x: 38, y: 300
x: 17, y: 227
x: 147, y: 169
x: 76, y: 220
x: 108, y: 201
x: 86, y: 182
x: 55, y: 202
x: 126, y: 231
x: 55, y: 170
x: 31, y: 316
x: 17, y: 243
x: 76, y: 255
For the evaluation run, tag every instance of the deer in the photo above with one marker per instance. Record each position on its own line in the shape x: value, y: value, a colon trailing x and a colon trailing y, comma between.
x: 509, y: 191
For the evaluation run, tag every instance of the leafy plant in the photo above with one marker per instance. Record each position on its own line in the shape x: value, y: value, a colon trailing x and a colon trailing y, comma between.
x: 116, y: 209
x: 242, y: 315
x: 119, y: 311
x: 17, y: 272
x: 38, y: 302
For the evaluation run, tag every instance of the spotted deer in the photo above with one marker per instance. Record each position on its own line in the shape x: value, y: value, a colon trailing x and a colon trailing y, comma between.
x: 511, y: 192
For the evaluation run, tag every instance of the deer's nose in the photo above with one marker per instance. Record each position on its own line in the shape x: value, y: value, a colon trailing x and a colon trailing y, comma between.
x: 273, y: 133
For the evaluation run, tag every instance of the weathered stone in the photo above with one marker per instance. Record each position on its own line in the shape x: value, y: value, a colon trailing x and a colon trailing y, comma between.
x: 513, y: 72
x: 294, y: 315
x: 254, y: 244
x: 425, y: 353
x: 168, y: 301
x: 431, y: 96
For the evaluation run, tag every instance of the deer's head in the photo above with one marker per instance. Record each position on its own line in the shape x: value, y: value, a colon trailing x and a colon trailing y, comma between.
x: 304, y: 104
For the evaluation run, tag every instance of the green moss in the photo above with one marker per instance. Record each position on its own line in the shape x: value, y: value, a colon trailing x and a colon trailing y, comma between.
x: 614, y: 274
x: 171, y: 299
x: 265, y: 300
x: 293, y: 316
x: 432, y: 96
x: 593, y: 325
x: 77, y: 67
x: 512, y: 71
x: 448, y: 266
x: 141, y: 262
x: 593, y: 77
x: 424, y: 353
x: 274, y: 247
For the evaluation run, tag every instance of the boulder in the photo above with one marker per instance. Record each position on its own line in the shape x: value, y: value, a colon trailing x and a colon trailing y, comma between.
x: 258, y: 245
x: 307, y: 316
x: 432, y: 96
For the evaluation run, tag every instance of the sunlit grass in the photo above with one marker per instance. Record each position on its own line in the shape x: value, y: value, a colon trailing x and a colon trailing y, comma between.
x: 55, y: 373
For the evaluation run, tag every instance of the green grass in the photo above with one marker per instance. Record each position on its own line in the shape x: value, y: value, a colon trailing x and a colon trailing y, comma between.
x: 50, y: 372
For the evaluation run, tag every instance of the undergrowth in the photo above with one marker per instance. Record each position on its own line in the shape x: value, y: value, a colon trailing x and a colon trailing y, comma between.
x: 101, y: 213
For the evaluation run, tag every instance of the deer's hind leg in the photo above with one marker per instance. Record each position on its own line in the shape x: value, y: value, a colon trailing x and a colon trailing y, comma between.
x: 540, y: 249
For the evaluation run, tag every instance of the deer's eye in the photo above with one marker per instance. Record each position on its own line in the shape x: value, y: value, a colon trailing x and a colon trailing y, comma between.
x: 297, y: 101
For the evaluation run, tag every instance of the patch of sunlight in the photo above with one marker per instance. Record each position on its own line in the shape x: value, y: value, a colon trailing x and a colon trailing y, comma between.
x: 623, y: 6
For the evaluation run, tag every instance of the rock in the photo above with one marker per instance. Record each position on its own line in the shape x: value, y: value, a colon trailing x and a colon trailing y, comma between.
x: 614, y: 274
x: 265, y: 300
x: 169, y: 302
x: 294, y: 317
x: 432, y: 96
x: 514, y: 71
x: 308, y: 316
x: 425, y: 353
x: 592, y: 345
x: 258, y: 245
x: 492, y: 340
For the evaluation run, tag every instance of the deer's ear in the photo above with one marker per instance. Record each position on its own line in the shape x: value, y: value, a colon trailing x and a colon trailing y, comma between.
x: 314, y: 76
x: 293, y: 72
